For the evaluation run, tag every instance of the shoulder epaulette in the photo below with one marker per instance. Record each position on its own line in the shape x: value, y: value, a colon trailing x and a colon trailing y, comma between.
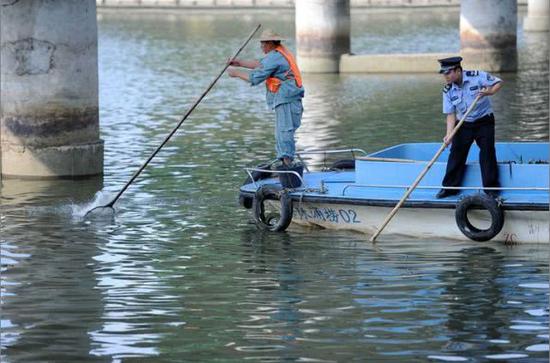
x: 446, y: 88
x: 472, y: 73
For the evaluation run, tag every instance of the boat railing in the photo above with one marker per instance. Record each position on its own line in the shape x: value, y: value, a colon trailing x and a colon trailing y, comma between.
x: 250, y: 170
x: 406, y: 187
x: 352, y: 151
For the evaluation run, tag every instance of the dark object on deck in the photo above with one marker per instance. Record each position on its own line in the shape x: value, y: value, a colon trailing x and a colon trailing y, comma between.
x: 291, y: 180
x: 480, y: 201
x: 259, y: 175
x: 272, y: 223
x: 344, y: 164
x: 256, y: 175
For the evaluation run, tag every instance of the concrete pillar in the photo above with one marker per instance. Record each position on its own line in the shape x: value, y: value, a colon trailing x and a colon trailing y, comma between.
x: 322, y: 34
x: 488, y: 34
x: 49, y: 124
x: 538, y: 16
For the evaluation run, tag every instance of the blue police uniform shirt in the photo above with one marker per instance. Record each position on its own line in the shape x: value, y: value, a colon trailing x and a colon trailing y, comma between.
x: 274, y: 64
x: 458, y: 98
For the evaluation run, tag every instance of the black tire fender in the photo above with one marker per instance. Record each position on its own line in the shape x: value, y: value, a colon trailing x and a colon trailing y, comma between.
x: 484, y: 202
x: 245, y: 201
x: 272, y: 192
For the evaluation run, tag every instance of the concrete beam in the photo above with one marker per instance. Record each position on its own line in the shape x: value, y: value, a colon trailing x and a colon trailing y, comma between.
x: 405, y: 63
x: 391, y: 63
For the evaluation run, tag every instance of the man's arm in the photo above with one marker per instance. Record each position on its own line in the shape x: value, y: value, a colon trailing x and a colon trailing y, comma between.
x: 489, y: 83
x: 489, y: 91
x: 265, y: 69
x: 250, y: 64
x: 238, y: 74
x: 451, y: 122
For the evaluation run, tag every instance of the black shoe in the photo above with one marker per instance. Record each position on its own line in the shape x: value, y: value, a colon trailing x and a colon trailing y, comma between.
x: 492, y: 193
x: 444, y: 193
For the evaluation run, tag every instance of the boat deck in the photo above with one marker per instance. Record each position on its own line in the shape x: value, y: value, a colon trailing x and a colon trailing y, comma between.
x: 523, y: 174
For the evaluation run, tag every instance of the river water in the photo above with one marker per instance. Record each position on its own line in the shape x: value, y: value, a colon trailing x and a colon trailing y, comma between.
x: 180, y: 274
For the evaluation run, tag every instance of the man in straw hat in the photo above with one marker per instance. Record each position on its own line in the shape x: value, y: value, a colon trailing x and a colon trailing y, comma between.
x: 284, y: 90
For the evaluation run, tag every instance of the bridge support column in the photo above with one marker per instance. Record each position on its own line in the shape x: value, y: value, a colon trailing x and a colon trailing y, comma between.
x: 49, y: 125
x: 322, y: 34
x: 488, y: 34
x: 538, y: 16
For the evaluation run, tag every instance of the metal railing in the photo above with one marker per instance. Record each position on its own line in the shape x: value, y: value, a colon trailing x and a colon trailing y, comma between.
x: 250, y: 170
x: 327, y: 152
x: 441, y: 187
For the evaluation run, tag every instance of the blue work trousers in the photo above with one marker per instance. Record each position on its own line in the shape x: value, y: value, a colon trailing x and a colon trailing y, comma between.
x: 288, y: 117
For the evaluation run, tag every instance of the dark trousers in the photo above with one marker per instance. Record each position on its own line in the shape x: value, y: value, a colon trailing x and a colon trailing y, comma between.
x: 482, y: 131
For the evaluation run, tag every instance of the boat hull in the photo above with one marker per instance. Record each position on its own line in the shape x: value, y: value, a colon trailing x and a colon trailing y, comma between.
x: 520, y: 226
x: 362, y: 196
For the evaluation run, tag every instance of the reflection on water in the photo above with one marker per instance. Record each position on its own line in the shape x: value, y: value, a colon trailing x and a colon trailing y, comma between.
x: 180, y: 274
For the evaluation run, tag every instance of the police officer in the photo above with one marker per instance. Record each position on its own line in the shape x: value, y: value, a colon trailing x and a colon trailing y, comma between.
x: 284, y: 90
x: 461, y: 88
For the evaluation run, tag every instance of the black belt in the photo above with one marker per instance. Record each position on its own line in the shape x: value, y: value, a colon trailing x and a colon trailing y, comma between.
x: 487, y: 119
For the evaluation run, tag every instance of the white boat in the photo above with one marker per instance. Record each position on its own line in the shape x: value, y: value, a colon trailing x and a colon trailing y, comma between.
x: 360, y: 197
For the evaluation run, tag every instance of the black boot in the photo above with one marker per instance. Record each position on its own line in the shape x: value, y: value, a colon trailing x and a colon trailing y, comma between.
x: 444, y: 193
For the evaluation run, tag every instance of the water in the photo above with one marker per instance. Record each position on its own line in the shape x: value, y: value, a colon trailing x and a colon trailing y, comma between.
x: 180, y: 274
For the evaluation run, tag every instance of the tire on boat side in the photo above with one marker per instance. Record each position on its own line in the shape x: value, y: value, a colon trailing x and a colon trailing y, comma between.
x: 483, y: 202
x: 246, y: 202
x: 272, y: 192
x: 344, y: 164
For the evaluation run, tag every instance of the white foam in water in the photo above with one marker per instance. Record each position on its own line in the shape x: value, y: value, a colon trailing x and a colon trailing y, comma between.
x: 526, y: 322
x: 537, y: 348
x: 528, y: 327
x: 499, y: 341
x: 537, y: 312
x: 506, y: 356
x: 543, y: 336
x: 448, y: 358
x: 540, y: 285
x: 100, y: 198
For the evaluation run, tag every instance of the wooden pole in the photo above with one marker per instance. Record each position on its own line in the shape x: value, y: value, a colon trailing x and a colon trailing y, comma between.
x: 423, y: 173
x: 195, y: 104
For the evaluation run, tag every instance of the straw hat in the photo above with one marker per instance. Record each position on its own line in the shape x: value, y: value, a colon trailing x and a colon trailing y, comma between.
x: 269, y: 35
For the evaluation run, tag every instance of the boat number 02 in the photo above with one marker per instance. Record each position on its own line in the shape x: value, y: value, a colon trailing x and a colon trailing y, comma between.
x: 348, y: 216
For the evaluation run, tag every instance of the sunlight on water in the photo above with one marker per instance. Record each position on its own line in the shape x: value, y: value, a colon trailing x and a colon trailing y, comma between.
x: 537, y: 348
x: 182, y: 275
x: 506, y: 356
x: 447, y: 358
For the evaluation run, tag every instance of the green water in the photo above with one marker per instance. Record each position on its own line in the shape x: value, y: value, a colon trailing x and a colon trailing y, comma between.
x: 180, y: 274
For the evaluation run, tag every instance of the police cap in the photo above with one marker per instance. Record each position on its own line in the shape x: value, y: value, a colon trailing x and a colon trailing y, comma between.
x: 448, y: 64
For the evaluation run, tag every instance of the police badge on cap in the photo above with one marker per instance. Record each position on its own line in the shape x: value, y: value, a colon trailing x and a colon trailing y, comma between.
x: 448, y: 64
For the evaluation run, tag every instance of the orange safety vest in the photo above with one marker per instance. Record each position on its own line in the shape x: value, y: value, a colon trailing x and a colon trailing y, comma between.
x: 273, y: 83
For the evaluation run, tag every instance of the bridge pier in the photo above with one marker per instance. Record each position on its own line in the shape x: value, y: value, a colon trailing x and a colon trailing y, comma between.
x: 49, y: 125
x: 322, y: 34
x: 488, y: 34
x: 538, y: 16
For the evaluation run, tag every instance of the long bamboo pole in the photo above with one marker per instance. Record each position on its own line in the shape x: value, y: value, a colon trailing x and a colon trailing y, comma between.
x: 189, y: 111
x: 423, y: 173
